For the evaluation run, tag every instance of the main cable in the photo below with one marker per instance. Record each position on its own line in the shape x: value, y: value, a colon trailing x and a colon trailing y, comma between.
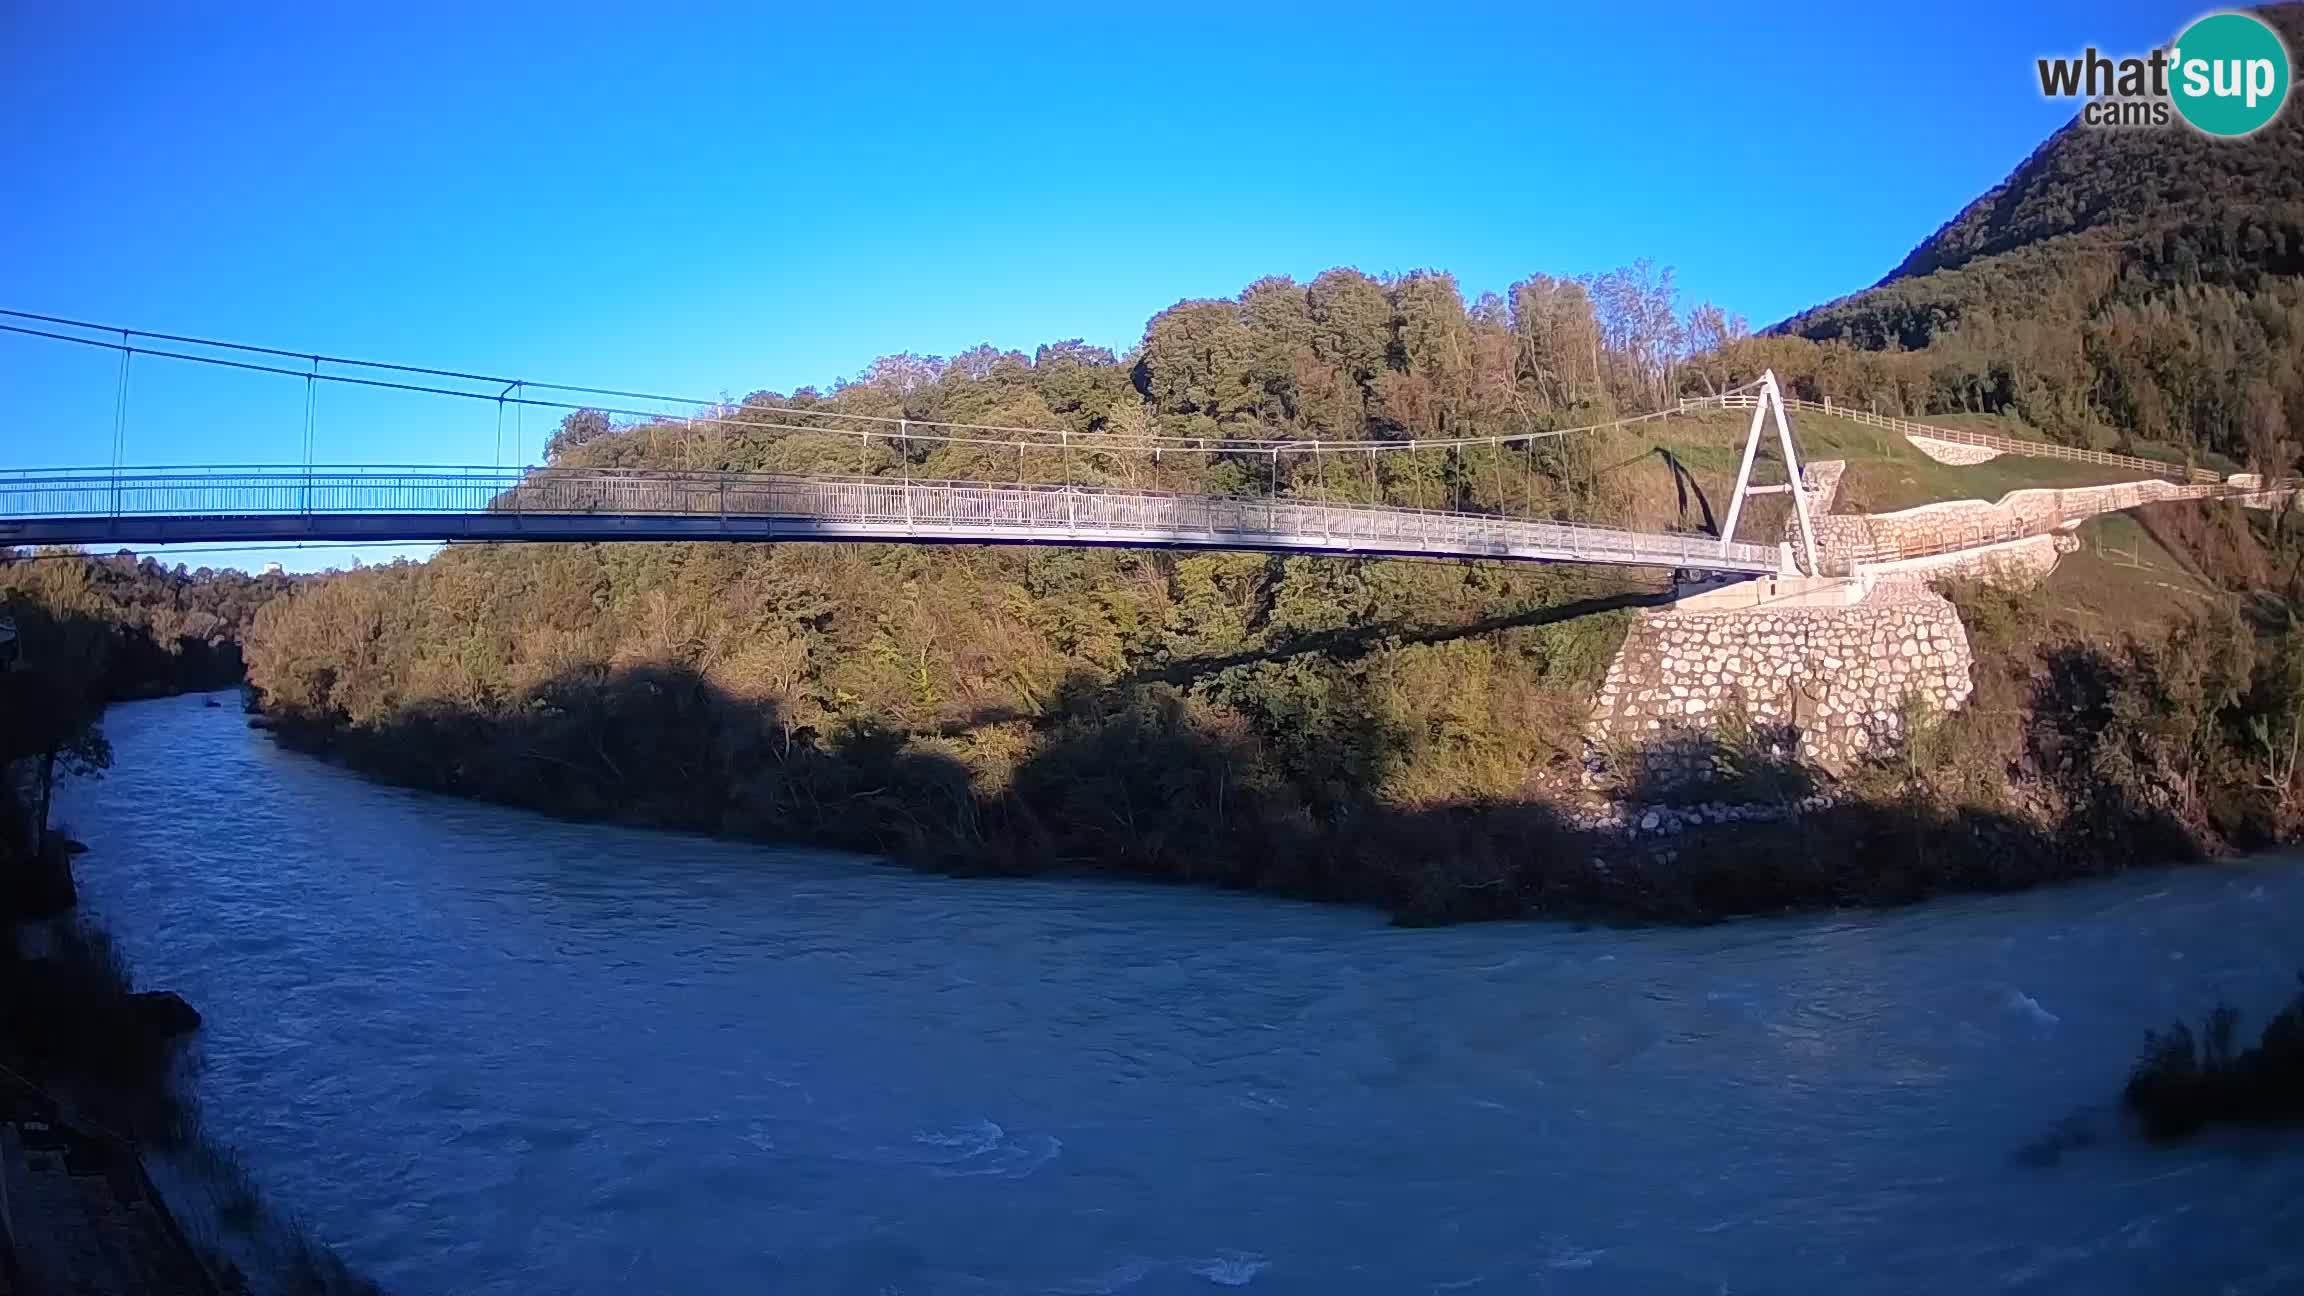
x: 520, y: 402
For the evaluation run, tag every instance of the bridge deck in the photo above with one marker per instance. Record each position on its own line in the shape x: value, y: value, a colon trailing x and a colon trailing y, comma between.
x: 153, y: 506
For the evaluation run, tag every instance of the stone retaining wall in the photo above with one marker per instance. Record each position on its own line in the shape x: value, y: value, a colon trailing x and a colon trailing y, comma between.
x: 2260, y: 498
x: 1822, y: 482
x: 1954, y: 524
x: 1837, y: 677
x: 2017, y: 564
x: 1958, y: 453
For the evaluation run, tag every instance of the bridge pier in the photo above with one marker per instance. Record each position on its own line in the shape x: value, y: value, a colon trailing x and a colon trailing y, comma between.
x: 1781, y: 591
x: 1823, y: 668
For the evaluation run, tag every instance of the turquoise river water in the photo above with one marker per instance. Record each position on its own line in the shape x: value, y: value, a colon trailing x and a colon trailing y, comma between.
x: 486, y: 1052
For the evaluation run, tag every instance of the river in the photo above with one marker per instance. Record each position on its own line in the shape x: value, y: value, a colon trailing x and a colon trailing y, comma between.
x: 482, y: 1051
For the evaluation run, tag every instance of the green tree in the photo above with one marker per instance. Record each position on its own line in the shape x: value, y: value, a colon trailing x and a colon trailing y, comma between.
x: 51, y: 703
x: 1351, y: 323
x: 579, y: 429
x: 1557, y: 339
x: 1195, y: 359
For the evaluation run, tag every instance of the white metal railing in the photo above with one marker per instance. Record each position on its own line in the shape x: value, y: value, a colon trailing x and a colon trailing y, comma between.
x: 863, y: 505
x: 1959, y: 436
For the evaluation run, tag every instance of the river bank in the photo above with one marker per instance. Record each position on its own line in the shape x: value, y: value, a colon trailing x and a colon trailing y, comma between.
x: 1412, y: 737
x: 1651, y: 862
x: 491, y: 1052
x: 2184, y: 1082
x: 112, y: 1185
x: 93, y: 1106
x: 2076, y: 759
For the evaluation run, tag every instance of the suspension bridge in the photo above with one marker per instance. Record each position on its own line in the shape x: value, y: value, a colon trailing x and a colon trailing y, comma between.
x: 169, y: 506
x: 1053, y: 498
x: 1063, y: 492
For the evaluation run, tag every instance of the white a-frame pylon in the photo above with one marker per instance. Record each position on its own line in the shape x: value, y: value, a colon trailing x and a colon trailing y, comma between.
x: 1771, y: 404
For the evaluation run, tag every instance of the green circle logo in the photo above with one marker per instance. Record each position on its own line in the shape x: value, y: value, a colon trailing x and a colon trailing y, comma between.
x: 2228, y: 74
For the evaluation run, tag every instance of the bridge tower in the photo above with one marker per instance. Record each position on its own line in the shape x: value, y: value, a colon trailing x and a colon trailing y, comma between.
x: 1770, y: 405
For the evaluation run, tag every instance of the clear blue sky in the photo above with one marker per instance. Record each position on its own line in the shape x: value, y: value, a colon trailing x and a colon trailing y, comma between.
x: 710, y: 199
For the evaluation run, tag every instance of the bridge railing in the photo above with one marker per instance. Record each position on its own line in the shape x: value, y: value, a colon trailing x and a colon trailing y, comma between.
x: 864, y: 504
x: 224, y: 492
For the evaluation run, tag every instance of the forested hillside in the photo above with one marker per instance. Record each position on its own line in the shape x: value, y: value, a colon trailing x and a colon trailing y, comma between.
x: 2121, y: 283
x: 1346, y: 357
x: 162, y: 629
x: 1400, y: 732
x: 94, y: 630
x: 1392, y: 731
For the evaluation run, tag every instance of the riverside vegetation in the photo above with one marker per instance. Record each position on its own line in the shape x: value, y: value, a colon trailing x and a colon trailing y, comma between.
x: 1401, y: 733
x: 98, y: 630
x: 1396, y: 733
x: 78, y: 1042
x: 2184, y: 1082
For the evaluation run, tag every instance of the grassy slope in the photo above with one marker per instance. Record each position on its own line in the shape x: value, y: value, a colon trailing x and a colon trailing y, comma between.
x: 1884, y: 472
x: 2121, y: 574
x: 1887, y: 483
x: 2016, y: 429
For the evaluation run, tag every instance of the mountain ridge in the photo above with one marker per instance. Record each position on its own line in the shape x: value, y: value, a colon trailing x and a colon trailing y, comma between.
x: 2121, y: 283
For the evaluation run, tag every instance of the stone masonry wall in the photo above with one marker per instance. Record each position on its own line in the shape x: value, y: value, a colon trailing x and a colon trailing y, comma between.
x: 1821, y: 484
x: 1933, y: 528
x: 1838, y: 676
x: 2259, y: 497
x: 1958, y: 453
x: 2017, y: 564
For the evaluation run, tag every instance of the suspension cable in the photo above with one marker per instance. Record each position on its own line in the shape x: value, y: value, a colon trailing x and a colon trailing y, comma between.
x: 120, y: 421
x: 520, y: 401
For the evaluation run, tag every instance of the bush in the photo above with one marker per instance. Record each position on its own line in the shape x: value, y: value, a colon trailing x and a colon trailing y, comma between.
x: 2183, y: 1082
